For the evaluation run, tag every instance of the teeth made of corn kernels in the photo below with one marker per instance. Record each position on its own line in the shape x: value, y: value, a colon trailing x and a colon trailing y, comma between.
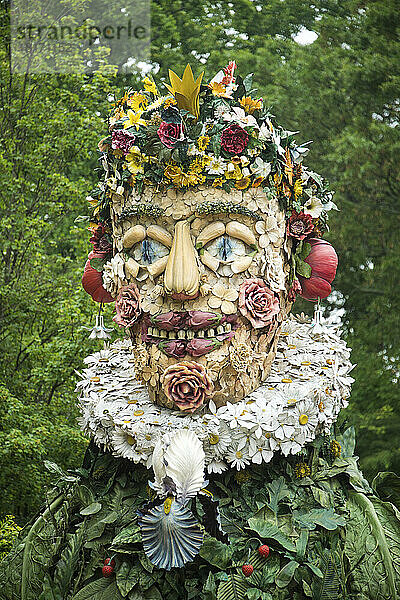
x: 163, y: 333
x: 220, y: 329
x: 190, y: 335
x: 150, y: 330
x: 200, y: 334
x: 171, y: 335
x: 181, y: 334
x: 228, y: 327
x: 211, y: 333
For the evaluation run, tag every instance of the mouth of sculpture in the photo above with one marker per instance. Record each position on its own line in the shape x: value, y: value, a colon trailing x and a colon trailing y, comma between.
x: 188, y: 332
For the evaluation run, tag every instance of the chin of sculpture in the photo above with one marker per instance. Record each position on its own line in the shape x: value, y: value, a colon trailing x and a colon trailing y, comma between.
x: 210, y: 276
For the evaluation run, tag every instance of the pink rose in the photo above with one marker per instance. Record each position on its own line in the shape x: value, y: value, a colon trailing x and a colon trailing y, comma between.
x: 127, y: 306
x: 257, y: 303
x: 187, y: 385
x: 170, y: 134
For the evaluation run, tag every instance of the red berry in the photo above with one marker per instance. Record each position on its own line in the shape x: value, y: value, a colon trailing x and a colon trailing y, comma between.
x: 110, y: 562
x: 107, y: 570
x: 247, y: 570
x: 264, y: 550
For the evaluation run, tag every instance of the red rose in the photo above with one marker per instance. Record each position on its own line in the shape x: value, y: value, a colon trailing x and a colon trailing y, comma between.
x: 299, y: 225
x: 187, y: 384
x: 234, y: 139
x: 257, y: 303
x: 127, y: 306
x: 170, y: 134
x: 100, y: 241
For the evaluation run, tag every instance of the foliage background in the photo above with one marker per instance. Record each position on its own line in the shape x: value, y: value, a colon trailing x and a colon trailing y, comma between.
x: 341, y: 91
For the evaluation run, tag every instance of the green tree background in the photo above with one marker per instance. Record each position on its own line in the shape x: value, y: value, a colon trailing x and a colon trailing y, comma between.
x: 341, y: 91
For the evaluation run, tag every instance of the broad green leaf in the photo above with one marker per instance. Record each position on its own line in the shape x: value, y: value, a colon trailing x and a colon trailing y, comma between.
x: 97, y: 264
x: 92, y: 509
x: 372, y: 546
x: 387, y: 486
x: 325, y: 517
x: 216, y: 553
x: 101, y: 589
x: 328, y: 586
x: 129, y: 535
x: 127, y: 577
x: 270, y: 531
x: 278, y: 490
x: 348, y: 441
x: 285, y: 575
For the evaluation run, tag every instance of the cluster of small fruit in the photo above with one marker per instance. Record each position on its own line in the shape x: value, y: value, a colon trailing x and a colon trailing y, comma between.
x: 248, y: 569
x: 108, y: 567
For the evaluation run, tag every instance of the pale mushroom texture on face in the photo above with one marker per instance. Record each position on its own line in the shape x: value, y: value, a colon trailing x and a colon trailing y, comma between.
x: 212, y: 277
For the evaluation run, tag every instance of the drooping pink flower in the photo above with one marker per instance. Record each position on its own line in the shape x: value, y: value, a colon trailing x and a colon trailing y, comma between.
x: 127, y: 306
x: 299, y: 225
x: 92, y: 281
x: 187, y: 384
x: 257, y: 302
x: 323, y: 261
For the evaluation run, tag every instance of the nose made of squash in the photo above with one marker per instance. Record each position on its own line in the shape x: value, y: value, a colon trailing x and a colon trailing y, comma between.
x: 181, y: 276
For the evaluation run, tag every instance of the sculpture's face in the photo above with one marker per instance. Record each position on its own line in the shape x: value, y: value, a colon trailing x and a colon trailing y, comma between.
x: 212, y: 292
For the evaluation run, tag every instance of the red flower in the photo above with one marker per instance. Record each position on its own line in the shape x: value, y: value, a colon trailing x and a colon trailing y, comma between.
x: 127, y: 306
x: 122, y: 140
x: 323, y: 261
x: 257, y: 303
x: 170, y: 134
x: 294, y: 290
x: 234, y: 139
x: 100, y: 241
x: 92, y: 282
x: 299, y: 225
x: 187, y: 384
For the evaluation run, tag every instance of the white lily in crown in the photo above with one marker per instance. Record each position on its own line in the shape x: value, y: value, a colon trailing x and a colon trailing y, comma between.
x: 238, y: 115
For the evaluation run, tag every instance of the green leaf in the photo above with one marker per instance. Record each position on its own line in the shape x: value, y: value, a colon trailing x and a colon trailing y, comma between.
x: 348, y: 441
x: 278, y: 490
x: 285, y: 575
x: 127, y: 577
x: 325, y: 517
x: 92, y: 509
x: 302, y: 268
x: 372, y: 546
x: 216, y: 553
x: 129, y: 535
x: 270, y: 531
x: 233, y: 588
x: 101, y: 589
x: 327, y: 583
x: 248, y: 82
x: 97, y: 264
x: 387, y: 486
x: 209, y: 588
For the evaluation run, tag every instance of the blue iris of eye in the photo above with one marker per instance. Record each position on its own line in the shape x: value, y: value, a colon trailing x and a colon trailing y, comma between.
x: 224, y: 246
x: 149, y: 253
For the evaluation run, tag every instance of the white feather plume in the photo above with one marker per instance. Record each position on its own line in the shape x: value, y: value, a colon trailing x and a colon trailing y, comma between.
x: 158, y: 465
x: 184, y: 463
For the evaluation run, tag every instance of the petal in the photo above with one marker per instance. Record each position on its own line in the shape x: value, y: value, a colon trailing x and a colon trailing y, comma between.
x: 214, y: 302
x: 231, y: 295
x: 228, y: 308
x: 219, y: 290
x: 260, y: 227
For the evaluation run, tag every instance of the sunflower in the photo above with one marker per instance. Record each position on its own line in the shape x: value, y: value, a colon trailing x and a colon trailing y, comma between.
x: 202, y: 142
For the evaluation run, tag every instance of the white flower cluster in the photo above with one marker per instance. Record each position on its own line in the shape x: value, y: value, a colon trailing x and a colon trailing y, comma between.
x: 308, y: 385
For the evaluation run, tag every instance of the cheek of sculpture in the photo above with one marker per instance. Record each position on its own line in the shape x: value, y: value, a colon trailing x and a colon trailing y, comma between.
x: 212, y: 295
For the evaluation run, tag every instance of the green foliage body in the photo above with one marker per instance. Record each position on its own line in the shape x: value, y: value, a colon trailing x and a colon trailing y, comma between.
x: 331, y: 537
